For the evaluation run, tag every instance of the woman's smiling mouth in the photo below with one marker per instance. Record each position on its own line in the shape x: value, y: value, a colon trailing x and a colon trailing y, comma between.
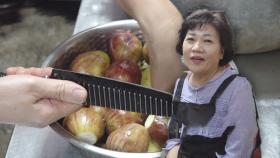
x: 197, y: 59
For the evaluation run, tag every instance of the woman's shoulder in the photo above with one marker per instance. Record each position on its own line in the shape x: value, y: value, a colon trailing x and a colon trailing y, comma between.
x: 242, y: 81
x: 238, y: 84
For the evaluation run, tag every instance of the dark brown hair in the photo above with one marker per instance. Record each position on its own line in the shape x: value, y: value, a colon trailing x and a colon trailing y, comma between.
x: 218, y: 20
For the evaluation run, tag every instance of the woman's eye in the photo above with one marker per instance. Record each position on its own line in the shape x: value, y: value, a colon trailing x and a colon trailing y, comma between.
x: 189, y: 39
x: 208, y: 41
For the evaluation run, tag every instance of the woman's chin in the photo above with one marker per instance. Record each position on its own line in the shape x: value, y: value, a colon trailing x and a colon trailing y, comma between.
x: 195, y: 69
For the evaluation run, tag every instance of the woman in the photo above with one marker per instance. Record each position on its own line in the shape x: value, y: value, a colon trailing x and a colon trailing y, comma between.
x: 206, y: 44
x: 215, y: 106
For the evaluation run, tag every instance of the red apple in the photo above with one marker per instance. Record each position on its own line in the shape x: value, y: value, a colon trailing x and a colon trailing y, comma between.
x: 117, y: 118
x: 92, y: 63
x: 158, y: 130
x: 124, y: 70
x: 86, y: 124
x: 125, y: 45
x: 132, y: 137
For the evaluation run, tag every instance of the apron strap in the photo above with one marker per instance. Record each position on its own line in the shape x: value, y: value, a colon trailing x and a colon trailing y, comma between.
x: 179, y: 88
x: 221, y: 88
x: 174, y: 127
x: 175, y: 124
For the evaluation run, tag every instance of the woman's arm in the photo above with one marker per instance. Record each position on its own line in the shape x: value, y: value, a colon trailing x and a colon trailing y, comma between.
x: 240, y: 142
x: 160, y: 22
x: 173, y: 153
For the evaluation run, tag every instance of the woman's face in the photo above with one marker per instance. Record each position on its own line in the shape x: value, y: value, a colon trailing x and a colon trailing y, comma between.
x: 202, y: 50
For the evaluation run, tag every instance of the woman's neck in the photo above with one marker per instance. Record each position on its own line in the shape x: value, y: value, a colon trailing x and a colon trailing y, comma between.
x: 199, y: 80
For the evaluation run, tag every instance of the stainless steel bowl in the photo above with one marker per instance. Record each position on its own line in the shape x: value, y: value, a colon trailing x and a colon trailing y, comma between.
x: 92, y: 39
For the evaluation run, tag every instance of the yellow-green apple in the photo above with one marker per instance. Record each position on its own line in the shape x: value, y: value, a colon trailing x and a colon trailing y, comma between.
x: 124, y: 70
x: 157, y: 128
x: 154, y: 146
x: 132, y: 137
x: 91, y: 62
x: 125, y: 45
x: 146, y: 77
x: 146, y: 53
x: 86, y: 124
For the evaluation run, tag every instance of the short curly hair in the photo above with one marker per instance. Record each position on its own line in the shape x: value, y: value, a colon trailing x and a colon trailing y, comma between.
x: 218, y: 20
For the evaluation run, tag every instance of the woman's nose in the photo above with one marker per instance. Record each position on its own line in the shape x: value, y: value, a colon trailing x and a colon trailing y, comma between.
x: 197, y: 46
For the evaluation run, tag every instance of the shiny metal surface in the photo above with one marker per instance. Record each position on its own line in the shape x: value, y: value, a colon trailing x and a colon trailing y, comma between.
x: 91, y: 39
x: 98, y: 12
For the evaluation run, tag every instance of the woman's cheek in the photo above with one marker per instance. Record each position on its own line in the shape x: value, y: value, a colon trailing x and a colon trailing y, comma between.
x: 186, y: 55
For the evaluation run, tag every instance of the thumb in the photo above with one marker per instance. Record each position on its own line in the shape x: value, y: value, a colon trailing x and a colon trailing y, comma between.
x: 62, y: 90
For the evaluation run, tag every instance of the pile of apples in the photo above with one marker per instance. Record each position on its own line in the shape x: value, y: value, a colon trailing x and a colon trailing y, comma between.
x: 128, y: 61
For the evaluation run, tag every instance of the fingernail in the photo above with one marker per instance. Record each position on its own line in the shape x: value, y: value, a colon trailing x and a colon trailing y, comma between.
x: 79, y: 95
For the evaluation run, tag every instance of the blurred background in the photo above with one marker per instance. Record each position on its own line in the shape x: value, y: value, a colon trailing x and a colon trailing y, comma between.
x: 29, y: 31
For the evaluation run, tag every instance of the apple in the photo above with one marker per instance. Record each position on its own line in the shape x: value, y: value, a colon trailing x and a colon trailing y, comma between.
x: 154, y: 146
x: 125, y: 45
x: 146, y: 53
x: 86, y: 124
x: 146, y: 77
x: 98, y: 109
x: 117, y: 118
x: 132, y: 137
x: 91, y: 62
x: 157, y: 128
x: 124, y: 70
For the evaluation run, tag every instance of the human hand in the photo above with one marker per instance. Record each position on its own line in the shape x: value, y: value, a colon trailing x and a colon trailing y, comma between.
x: 28, y: 98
